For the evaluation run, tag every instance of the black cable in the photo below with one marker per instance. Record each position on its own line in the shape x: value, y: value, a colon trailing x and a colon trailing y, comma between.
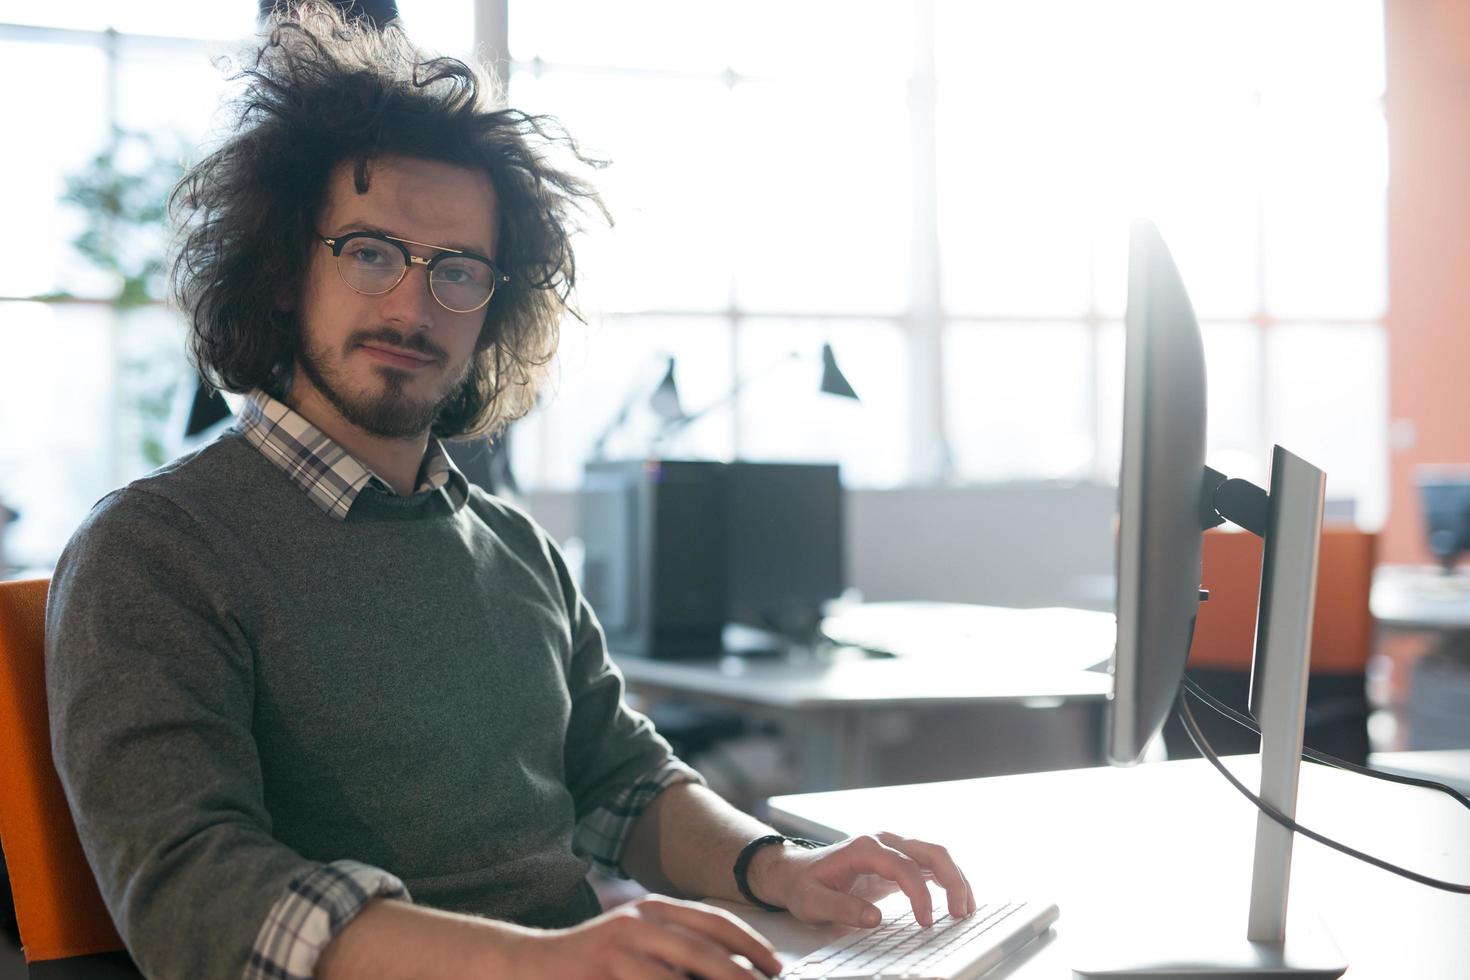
x: 1202, y: 744
x: 1322, y: 758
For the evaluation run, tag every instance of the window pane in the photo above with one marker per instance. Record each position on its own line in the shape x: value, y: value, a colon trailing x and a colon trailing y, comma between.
x: 83, y: 15
x: 441, y: 26
x: 821, y: 204
x: 1054, y: 131
x: 667, y: 187
x: 1018, y: 400
x: 174, y: 18
x: 851, y: 38
x: 1191, y: 166
x: 1233, y: 368
x: 184, y: 18
x: 1013, y: 238
x: 784, y: 415
x: 1236, y: 401
x: 155, y: 386
x: 600, y: 368
x: 59, y: 436
x: 1109, y: 423
x: 170, y: 92
x: 1328, y: 386
x: 42, y: 260
x: 609, y: 35
x: 1294, y: 60
x: 1326, y: 209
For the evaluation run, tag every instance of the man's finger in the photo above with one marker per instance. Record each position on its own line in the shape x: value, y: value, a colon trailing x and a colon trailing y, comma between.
x: 721, y: 928
x: 690, y: 952
x: 937, y: 861
x: 823, y: 904
x: 896, y: 866
x: 625, y: 965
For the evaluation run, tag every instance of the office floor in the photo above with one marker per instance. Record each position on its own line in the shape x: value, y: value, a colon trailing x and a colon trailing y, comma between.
x: 12, y: 963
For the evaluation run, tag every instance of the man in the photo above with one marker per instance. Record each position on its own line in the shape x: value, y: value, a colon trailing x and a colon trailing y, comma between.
x: 320, y: 707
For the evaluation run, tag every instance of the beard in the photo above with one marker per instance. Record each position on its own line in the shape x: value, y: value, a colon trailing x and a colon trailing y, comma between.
x: 383, y: 408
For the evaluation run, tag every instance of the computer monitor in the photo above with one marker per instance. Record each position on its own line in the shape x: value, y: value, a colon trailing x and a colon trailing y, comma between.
x: 1160, y: 531
x: 676, y: 550
x: 1167, y: 498
x: 786, y: 544
x: 1445, y: 496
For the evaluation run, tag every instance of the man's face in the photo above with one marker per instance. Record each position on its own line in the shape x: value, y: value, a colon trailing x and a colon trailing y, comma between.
x: 387, y: 362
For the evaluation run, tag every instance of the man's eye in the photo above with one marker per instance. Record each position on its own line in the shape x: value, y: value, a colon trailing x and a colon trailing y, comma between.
x: 367, y: 255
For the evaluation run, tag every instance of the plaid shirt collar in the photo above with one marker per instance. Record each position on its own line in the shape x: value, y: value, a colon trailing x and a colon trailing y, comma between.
x: 329, y: 474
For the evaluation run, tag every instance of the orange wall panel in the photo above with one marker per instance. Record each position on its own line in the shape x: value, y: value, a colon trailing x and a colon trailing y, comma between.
x: 1428, y: 321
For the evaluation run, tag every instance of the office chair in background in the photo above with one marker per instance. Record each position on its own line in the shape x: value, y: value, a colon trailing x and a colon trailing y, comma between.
x: 1342, y: 641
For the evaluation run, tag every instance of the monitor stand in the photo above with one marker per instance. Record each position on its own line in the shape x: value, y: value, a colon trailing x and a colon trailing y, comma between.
x: 1289, y: 518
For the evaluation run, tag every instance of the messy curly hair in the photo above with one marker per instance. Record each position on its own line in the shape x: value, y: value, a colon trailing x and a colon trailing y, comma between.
x: 323, y: 90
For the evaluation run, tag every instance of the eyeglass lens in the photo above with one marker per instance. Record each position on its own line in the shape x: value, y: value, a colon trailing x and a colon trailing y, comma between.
x: 460, y: 283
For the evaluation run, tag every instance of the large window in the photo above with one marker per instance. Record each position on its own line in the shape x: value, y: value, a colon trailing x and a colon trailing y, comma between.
x: 939, y: 189
x: 942, y: 191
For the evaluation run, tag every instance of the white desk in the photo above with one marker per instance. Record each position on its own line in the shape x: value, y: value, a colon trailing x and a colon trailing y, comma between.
x: 971, y: 661
x: 1415, y: 597
x: 1451, y: 767
x: 1424, y: 601
x: 1137, y: 849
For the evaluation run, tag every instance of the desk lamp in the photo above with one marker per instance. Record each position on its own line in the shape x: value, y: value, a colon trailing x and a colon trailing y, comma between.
x: 664, y: 400
x: 834, y: 382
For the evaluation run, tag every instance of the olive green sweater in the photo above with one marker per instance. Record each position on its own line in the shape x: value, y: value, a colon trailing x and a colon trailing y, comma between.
x: 243, y: 688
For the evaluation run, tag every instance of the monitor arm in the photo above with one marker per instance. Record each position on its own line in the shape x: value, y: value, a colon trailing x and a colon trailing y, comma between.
x: 1238, y: 501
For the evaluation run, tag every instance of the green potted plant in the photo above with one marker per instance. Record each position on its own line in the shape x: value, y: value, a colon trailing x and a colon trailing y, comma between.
x: 123, y: 195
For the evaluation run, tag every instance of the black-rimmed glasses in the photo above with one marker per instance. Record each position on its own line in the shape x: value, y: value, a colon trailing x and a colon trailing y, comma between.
x: 372, y: 264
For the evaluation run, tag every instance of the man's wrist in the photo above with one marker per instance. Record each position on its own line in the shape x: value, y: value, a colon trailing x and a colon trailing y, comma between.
x: 767, y: 880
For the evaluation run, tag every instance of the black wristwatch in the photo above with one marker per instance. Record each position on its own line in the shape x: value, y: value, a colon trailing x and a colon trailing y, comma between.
x: 747, y: 854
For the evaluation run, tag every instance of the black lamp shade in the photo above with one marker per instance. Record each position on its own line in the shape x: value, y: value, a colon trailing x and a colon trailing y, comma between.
x: 834, y: 382
x: 665, y: 398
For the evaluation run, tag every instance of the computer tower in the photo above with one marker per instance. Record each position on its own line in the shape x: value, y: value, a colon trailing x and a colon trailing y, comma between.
x: 655, y: 565
x: 786, y: 544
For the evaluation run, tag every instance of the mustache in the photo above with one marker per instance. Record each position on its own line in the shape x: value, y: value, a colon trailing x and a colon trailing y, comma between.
x: 415, y: 342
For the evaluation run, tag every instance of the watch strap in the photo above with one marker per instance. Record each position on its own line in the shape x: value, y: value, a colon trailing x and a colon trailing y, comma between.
x: 747, y: 855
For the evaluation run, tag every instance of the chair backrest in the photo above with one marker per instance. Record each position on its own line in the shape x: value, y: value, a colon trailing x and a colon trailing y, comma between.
x: 57, y: 905
x: 1342, y: 625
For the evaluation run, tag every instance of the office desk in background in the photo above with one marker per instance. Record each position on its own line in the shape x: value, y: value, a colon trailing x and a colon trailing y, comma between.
x: 1423, y: 621
x: 1420, y: 599
x: 972, y: 690
x: 1129, y: 852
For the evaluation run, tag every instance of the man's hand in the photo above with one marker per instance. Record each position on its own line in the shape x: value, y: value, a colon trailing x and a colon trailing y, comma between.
x: 837, y: 883
x: 654, y: 937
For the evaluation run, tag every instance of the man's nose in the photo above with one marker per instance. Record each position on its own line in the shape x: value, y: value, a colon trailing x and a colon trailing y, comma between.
x: 410, y: 303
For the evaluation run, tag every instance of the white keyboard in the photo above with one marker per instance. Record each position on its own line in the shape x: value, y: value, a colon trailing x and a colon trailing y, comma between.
x: 951, y: 949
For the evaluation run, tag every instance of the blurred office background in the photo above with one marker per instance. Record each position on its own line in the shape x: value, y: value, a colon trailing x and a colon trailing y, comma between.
x: 939, y: 190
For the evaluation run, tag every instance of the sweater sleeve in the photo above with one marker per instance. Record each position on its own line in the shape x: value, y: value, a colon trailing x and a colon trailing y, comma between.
x: 150, y: 681
x: 615, y: 762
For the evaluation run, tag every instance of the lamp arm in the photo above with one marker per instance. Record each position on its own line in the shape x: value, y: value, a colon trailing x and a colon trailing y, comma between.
x: 679, y: 424
x: 598, y: 447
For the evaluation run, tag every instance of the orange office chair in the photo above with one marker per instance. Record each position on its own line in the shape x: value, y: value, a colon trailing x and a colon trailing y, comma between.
x: 57, y: 905
x: 1342, y: 640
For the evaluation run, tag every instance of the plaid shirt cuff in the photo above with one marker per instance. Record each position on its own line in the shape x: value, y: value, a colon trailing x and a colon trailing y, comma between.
x: 602, y: 834
x: 312, y: 911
